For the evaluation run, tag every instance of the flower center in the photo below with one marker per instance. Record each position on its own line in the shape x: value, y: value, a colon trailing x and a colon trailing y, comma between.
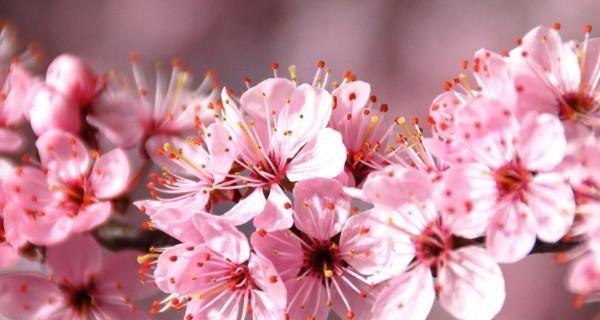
x: 433, y: 242
x: 2, y: 231
x: 575, y: 103
x: 80, y: 298
x: 322, y: 258
x: 240, y: 278
x: 511, y: 179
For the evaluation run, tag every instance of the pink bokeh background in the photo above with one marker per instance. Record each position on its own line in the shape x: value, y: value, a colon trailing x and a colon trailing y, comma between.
x: 405, y: 49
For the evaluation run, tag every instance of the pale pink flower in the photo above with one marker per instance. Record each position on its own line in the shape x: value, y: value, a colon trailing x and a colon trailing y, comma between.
x: 444, y: 262
x: 219, y: 279
x: 280, y: 132
x: 80, y: 285
x: 516, y: 180
x: 559, y: 77
x: 371, y: 140
x: 15, y: 82
x: 10, y: 239
x: 128, y: 115
x: 328, y: 258
x: 64, y: 193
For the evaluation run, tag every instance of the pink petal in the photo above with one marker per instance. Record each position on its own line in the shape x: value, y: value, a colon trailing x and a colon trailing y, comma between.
x: 10, y: 141
x: 27, y: 187
x: 305, y: 116
x: 273, y: 93
x: 18, y: 82
x: 119, y: 311
x: 359, y: 306
x: 306, y: 298
x: 472, y: 285
x: 542, y: 144
x: 320, y: 207
x: 110, y: 175
x: 544, y: 47
x: 173, y: 217
x: 119, y: 277
x: 350, y: 97
x: 592, y: 53
x: 8, y: 255
x: 376, y: 252
x: 493, y: 75
x: 221, y: 150
x: 407, y: 296
x: 64, y: 155
x: 246, y: 209
x: 270, y: 244
x: 74, y: 260
x: 584, y: 274
x: 552, y: 203
x: 72, y: 77
x: 443, y: 112
x: 29, y: 296
x: 161, y: 159
x: 395, y: 186
x: 176, y: 266
x: 269, y: 282
x: 223, y: 237
x: 264, y: 307
x: 51, y: 110
x: 511, y: 234
x: 277, y: 213
x: 91, y: 216
x: 322, y: 157
x: 121, y: 118
x: 50, y: 229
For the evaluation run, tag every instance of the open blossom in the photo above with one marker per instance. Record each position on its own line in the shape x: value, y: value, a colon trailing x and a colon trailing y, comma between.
x: 326, y: 260
x: 219, y: 278
x: 514, y: 179
x: 10, y: 239
x: 64, y: 193
x: 15, y: 82
x: 80, y: 285
x: 443, y: 263
x: 131, y: 113
x: 559, y: 77
x: 373, y: 141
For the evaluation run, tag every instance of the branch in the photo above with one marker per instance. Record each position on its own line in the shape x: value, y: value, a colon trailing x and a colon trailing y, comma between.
x: 115, y: 235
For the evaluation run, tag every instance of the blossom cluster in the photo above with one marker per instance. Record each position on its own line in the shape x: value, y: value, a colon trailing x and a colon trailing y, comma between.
x: 292, y: 200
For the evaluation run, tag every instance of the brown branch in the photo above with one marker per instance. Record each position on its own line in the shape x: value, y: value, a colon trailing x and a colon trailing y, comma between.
x: 115, y: 235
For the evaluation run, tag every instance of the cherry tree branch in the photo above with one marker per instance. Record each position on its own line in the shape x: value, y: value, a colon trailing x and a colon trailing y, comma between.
x: 116, y: 235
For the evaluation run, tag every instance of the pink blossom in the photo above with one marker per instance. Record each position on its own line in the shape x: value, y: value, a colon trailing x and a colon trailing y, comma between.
x: 73, y: 78
x: 280, y: 132
x: 10, y: 239
x: 443, y: 260
x: 220, y: 279
x: 515, y: 179
x: 559, y: 77
x: 372, y: 141
x: 64, y: 193
x: 128, y: 115
x: 80, y: 285
x: 326, y: 260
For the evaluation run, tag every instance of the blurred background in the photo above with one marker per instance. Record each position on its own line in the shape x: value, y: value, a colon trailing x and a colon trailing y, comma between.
x: 405, y: 49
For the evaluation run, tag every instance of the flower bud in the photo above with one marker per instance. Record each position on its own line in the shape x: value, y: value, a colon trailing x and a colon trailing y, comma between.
x: 73, y: 78
x: 50, y: 109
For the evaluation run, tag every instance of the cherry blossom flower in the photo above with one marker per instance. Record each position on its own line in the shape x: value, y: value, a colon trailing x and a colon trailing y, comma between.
x: 80, y: 285
x: 128, y: 115
x: 218, y: 279
x: 327, y: 259
x: 15, y: 82
x: 444, y: 263
x: 515, y: 181
x: 10, y: 240
x: 370, y: 143
x: 559, y: 77
x: 63, y: 193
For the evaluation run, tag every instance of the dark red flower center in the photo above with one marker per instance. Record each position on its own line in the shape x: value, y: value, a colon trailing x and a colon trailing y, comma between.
x: 575, y: 103
x: 511, y: 179
x: 80, y: 298
x: 2, y: 231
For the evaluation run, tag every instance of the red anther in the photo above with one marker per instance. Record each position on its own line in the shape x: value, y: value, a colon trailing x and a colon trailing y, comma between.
x: 556, y: 26
x: 384, y: 107
x: 519, y: 88
x: 587, y: 28
x: 447, y: 85
x: 364, y: 230
x: 273, y: 279
x: 275, y: 65
x: 155, y: 307
x: 524, y: 54
x: 134, y: 57
x: 464, y: 64
x: 349, y: 116
x: 173, y: 258
x: 519, y: 41
x: 505, y: 53
x: 334, y: 102
x: 362, y: 294
x: 262, y: 233
x: 321, y: 64
x: 373, y: 98
x: 456, y: 80
x: 176, y: 63
x: 247, y: 80
x: 287, y: 205
x: 430, y: 121
x: 350, y: 315
x: 366, y: 112
x: 352, y: 96
x: 147, y: 225
x: 329, y: 205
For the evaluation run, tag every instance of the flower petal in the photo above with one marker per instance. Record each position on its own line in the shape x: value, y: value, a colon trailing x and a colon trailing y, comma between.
x: 395, y: 186
x: 110, y: 174
x: 64, y: 155
x: 511, y: 234
x: 268, y: 280
x: 223, y: 237
x: 75, y: 260
x: 472, y: 285
x: 542, y: 144
x: 10, y: 141
x: 119, y: 277
x: 27, y: 296
x: 27, y: 187
x: 282, y: 248
x: 92, y: 215
x: 324, y: 157
x: 173, y: 217
x: 277, y: 213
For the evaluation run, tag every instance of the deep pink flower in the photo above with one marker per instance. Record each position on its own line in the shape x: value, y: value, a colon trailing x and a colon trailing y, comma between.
x: 515, y: 181
x: 127, y: 115
x: 79, y: 286
x: 64, y: 193
x: 328, y: 258
x: 559, y: 77
x: 219, y: 279
x: 465, y: 279
x: 73, y: 78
